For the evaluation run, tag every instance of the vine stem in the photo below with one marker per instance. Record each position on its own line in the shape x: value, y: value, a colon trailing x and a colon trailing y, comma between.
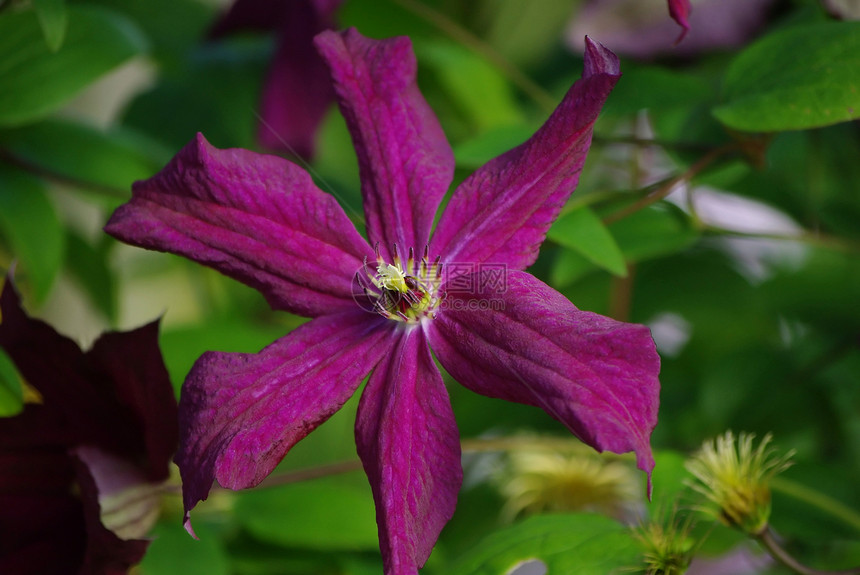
x: 467, y: 445
x: 669, y: 185
x: 768, y: 540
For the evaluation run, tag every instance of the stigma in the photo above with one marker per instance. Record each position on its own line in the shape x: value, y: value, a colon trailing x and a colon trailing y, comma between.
x: 402, y: 291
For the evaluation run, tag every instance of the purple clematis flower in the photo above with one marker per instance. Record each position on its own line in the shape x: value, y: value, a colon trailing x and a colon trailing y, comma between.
x: 378, y: 310
x: 81, y: 470
x: 297, y: 91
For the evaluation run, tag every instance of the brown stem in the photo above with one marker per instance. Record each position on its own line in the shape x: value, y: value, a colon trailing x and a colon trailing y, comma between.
x: 768, y: 541
x: 336, y: 468
x: 602, y: 140
x: 666, y: 188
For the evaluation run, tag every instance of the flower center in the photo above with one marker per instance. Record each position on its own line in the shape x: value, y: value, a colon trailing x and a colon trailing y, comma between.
x: 407, y: 293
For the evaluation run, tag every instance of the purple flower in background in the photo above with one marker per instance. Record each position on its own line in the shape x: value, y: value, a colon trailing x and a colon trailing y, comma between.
x: 377, y: 310
x: 639, y: 28
x: 80, y: 471
x: 297, y: 91
x: 679, y: 10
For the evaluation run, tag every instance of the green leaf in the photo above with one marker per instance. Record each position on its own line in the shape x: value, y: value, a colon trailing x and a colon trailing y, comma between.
x: 329, y: 513
x: 37, y: 81
x: 804, y: 77
x: 174, y: 552
x: 656, y: 89
x: 11, y: 394
x: 109, y: 160
x: 655, y: 231
x: 582, y: 231
x: 53, y: 19
x: 481, y: 92
x: 229, y: 74
x: 172, y: 27
x: 31, y: 229
x: 88, y: 264
x: 584, y: 544
x: 474, y: 153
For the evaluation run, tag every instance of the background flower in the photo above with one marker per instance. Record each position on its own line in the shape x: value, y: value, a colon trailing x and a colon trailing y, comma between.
x: 104, y: 425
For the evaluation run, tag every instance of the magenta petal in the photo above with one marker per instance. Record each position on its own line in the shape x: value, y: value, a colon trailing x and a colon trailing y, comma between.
x: 527, y: 343
x: 106, y: 553
x: 406, y: 164
x: 679, y: 10
x: 407, y: 439
x: 257, y: 218
x: 240, y: 413
x: 116, y: 396
x: 502, y: 212
x: 298, y: 89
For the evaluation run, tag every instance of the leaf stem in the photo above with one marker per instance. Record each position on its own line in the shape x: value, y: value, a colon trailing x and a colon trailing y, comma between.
x: 460, y: 34
x: 768, y: 541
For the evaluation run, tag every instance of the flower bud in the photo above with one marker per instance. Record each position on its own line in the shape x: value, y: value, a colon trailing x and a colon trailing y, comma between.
x: 667, y: 547
x: 737, y: 479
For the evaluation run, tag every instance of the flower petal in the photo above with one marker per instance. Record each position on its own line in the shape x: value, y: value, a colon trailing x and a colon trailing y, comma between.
x: 406, y: 164
x: 133, y: 361
x: 527, y: 343
x: 407, y: 439
x: 298, y: 89
x: 257, y: 218
x: 679, y: 10
x: 42, y: 520
x: 116, y: 396
x: 106, y: 552
x: 502, y: 212
x: 240, y: 413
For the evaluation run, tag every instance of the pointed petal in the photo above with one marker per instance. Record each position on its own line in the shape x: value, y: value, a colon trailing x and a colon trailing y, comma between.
x: 502, y: 212
x: 527, y: 343
x: 117, y: 395
x: 407, y: 439
x: 240, y: 413
x: 406, y: 164
x: 679, y: 10
x: 133, y: 361
x: 257, y: 218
